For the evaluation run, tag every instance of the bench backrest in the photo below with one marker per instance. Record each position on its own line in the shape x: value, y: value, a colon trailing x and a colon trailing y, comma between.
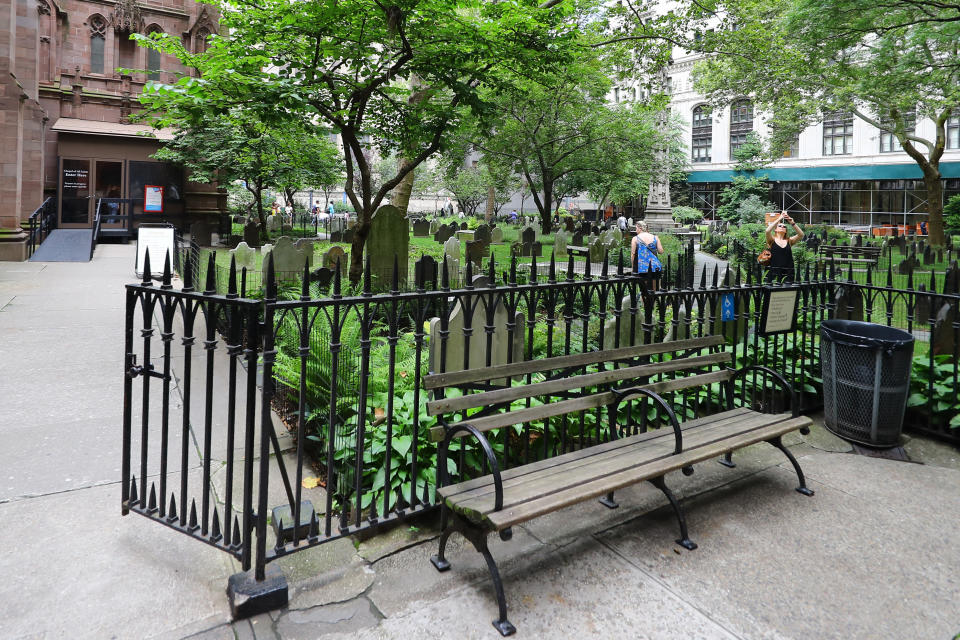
x: 850, y: 251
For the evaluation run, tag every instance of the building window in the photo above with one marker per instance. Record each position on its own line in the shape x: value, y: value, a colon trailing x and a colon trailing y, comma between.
x: 741, y: 124
x: 702, y: 143
x: 200, y: 44
x: 98, y: 31
x: 953, y: 133
x: 837, y: 134
x: 793, y: 149
x: 888, y: 141
x: 153, y: 59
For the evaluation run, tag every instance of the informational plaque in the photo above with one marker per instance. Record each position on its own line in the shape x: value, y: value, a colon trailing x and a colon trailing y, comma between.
x: 779, y: 310
x: 158, y: 239
x: 152, y: 198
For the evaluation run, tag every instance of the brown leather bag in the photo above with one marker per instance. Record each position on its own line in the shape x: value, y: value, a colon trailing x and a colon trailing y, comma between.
x: 764, y: 257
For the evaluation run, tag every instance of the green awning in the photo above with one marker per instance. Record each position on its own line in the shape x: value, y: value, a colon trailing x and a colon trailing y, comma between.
x: 826, y: 173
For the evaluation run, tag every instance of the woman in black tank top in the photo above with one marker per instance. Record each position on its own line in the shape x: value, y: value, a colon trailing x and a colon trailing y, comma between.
x: 781, y: 255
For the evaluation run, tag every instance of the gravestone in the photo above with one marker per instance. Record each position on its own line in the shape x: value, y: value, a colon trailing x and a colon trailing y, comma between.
x: 463, y: 226
x: 337, y: 225
x: 444, y: 233
x: 251, y: 234
x: 679, y: 327
x: 496, y: 235
x: 502, y: 346
x: 569, y: 225
x: 928, y: 256
x: 452, y: 248
x: 628, y: 320
x: 951, y: 279
x: 202, y: 233
x: 421, y: 228
x: 482, y: 234
x: 577, y: 239
x: 596, y: 248
x: 560, y: 246
x: 465, y: 235
x: 322, y: 277
x: 288, y: 258
x: 426, y: 273
x: 921, y: 309
x: 273, y: 223
x: 849, y: 304
x: 585, y: 228
x: 387, y: 245
x: 333, y: 256
x: 907, y: 265
x: 943, y: 341
x: 528, y: 235
x: 531, y: 250
x: 434, y: 226
x: 476, y: 251
x: 244, y: 256
x: 857, y: 240
x: 453, y: 271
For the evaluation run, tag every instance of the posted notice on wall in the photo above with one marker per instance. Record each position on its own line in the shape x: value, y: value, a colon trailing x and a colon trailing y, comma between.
x: 779, y: 310
x: 159, y: 241
x: 152, y: 198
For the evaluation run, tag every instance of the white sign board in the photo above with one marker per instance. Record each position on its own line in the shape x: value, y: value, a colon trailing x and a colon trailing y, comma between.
x: 779, y: 311
x: 159, y: 241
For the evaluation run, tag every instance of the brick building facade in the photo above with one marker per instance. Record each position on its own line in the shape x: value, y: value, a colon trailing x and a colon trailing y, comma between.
x: 65, y: 110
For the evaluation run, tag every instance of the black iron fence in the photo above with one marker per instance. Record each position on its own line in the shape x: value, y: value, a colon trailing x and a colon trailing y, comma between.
x: 305, y: 410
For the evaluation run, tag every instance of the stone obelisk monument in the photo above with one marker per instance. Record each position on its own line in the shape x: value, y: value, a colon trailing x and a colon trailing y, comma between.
x: 658, y: 211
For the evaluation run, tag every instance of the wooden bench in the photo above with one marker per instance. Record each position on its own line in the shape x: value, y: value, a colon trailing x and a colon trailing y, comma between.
x: 503, y: 498
x: 850, y: 254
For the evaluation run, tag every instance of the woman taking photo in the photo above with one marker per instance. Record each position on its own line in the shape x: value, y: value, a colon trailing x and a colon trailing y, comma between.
x: 781, y: 256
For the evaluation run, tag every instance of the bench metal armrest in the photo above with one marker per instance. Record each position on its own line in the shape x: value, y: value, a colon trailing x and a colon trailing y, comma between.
x: 623, y: 395
x: 443, y: 478
x: 794, y: 400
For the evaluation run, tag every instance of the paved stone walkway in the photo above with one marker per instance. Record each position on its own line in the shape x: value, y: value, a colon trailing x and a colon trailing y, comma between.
x: 872, y: 555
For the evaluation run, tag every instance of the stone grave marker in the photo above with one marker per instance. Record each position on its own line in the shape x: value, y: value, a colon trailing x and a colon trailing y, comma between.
x: 463, y: 226
x: 849, y: 304
x: 596, y: 248
x: 921, y: 310
x: 577, y: 239
x: 496, y: 235
x: 627, y: 319
x: 465, y: 235
x: 388, y: 244
x: 453, y: 271
x: 456, y: 344
x: 426, y: 273
x: 951, y: 279
x: 476, y: 251
x: 531, y: 250
x: 482, y: 234
x: 202, y: 233
x: 244, y: 256
x: 444, y: 233
x: 434, y: 226
x: 288, y: 259
x: 332, y: 256
x: 943, y: 341
x: 585, y: 228
x: 569, y: 225
x: 560, y: 246
x: 322, y: 276
x: 273, y: 223
x: 907, y: 265
x: 421, y: 228
x: 528, y: 235
x: 251, y: 234
x: 452, y: 248
x: 857, y: 240
x: 928, y: 256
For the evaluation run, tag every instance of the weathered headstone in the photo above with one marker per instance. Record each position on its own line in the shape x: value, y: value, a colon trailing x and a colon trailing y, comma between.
x: 476, y: 251
x: 596, y: 249
x: 455, y: 345
x: 251, y: 234
x: 569, y: 225
x: 907, y: 265
x: 465, y: 235
x: 585, y: 228
x: 421, y: 228
x: 849, y: 304
x: 463, y: 226
x: 387, y: 245
x: 531, y: 250
x: 434, y: 226
x: 452, y: 248
x: 202, y: 233
x: 857, y: 240
x: 528, y: 235
x: 452, y: 266
x: 577, y: 239
x: 322, y: 276
x: 288, y: 259
x: 444, y: 233
x: 944, y: 337
x: 951, y: 279
x: 922, y: 307
x: 244, y: 256
x: 496, y: 235
x: 426, y: 273
x: 482, y: 234
x: 334, y: 256
x: 560, y: 245
x: 928, y: 256
x: 273, y: 223
x: 629, y: 323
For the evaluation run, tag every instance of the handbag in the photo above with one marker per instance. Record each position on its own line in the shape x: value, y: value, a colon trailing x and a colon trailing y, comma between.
x: 646, y: 261
x: 764, y: 257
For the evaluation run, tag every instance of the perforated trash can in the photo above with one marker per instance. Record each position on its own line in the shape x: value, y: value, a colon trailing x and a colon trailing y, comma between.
x: 866, y: 380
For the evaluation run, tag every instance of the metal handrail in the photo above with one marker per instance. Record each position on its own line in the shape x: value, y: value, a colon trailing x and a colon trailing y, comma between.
x: 41, y: 222
x: 96, y: 228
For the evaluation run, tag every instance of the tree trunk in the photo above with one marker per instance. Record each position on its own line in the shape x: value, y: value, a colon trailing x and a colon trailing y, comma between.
x: 546, y: 213
x: 360, y: 233
x: 491, y: 196
x: 401, y: 195
x: 261, y: 216
x: 931, y: 179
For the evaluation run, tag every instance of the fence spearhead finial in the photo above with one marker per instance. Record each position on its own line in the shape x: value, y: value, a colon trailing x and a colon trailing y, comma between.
x: 211, y: 285
x: 395, y: 281
x: 305, y: 282
x: 188, y: 272
x: 367, y: 275
x: 232, y: 278
x: 146, y: 268
x: 271, y: 292
x: 167, y: 278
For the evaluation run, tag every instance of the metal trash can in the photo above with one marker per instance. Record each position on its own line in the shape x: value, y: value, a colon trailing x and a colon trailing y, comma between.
x: 866, y: 380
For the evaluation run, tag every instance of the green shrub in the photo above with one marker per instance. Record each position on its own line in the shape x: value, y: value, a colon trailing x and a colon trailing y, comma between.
x: 752, y: 209
x: 951, y: 213
x: 687, y: 215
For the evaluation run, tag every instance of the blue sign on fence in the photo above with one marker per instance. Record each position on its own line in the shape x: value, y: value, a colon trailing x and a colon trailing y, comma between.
x: 726, y: 307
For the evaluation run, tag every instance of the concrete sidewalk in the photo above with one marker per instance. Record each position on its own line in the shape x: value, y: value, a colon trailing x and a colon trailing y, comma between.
x: 872, y: 555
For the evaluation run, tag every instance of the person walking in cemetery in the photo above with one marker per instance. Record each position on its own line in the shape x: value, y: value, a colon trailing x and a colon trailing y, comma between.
x: 330, y: 208
x: 644, y: 251
x: 781, y: 267
x: 622, y: 223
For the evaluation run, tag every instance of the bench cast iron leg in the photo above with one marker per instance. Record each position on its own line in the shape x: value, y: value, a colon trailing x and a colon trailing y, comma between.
x: 727, y: 460
x: 684, y: 540
x: 778, y: 443
x: 609, y: 502
x: 478, y: 538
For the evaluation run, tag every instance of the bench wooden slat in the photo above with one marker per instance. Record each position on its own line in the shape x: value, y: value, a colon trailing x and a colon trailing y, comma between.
x: 479, y: 502
x: 510, y: 394
x: 593, y: 401
x: 510, y: 517
x: 587, y: 459
x: 539, y: 465
x: 513, y: 516
x: 453, y: 378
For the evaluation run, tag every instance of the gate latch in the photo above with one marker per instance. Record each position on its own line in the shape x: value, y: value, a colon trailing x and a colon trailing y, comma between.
x: 134, y: 370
